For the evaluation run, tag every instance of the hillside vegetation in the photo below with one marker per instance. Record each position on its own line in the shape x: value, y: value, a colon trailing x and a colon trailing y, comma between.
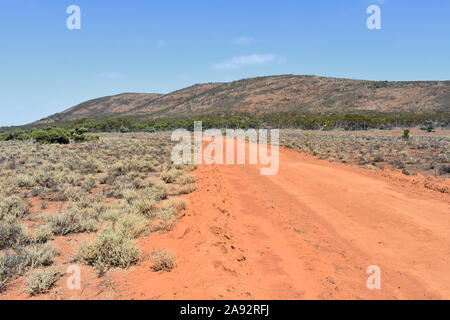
x: 267, y: 95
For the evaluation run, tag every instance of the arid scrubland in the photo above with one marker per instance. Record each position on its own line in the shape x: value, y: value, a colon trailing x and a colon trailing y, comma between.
x: 114, y: 190
x: 87, y: 203
x: 428, y: 154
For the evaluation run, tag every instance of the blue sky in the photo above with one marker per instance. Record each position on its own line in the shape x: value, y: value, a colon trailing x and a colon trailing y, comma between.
x: 161, y: 46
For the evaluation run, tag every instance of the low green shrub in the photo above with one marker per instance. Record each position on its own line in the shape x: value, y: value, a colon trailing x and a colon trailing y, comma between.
x: 50, y: 135
x: 12, y: 235
x: 13, y: 208
x: 71, y: 222
x: 109, y: 250
x: 40, y: 281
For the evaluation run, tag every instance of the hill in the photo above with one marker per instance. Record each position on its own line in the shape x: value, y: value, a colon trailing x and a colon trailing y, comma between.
x: 269, y: 94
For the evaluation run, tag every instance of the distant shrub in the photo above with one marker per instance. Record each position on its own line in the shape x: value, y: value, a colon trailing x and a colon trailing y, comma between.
x: 406, y: 134
x: 54, y: 135
x: 83, y: 138
x: 444, y: 170
x: 150, y: 129
x: 406, y: 172
x: 124, y: 129
x: 78, y: 130
x: 14, y: 135
x: 428, y: 126
x: 50, y: 135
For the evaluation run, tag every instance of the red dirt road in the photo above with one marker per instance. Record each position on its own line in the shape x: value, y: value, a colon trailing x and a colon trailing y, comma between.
x: 308, y: 232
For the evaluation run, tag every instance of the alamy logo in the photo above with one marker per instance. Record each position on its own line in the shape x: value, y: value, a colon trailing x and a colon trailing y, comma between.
x: 374, y: 280
x: 211, y: 147
x: 374, y: 20
x: 74, y: 20
x: 74, y: 280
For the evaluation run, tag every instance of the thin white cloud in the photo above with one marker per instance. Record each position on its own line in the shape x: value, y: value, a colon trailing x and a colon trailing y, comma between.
x: 237, y: 62
x: 243, y: 40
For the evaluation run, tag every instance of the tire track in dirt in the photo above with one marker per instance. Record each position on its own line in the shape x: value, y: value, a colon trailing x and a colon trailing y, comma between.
x: 308, y: 232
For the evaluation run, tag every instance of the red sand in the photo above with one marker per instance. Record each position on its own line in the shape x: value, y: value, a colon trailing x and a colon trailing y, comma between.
x: 309, y: 232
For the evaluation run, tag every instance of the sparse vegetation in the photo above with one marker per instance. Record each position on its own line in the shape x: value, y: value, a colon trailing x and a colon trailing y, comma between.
x: 111, y: 188
x: 40, y: 281
x: 423, y: 153
x: 109, y: 250
x: 71, y: 222
x: 22, y: 259
x: 12, y: 235
x: 162, y: 261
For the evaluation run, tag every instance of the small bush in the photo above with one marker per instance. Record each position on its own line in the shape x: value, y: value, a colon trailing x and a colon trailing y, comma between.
x: 149, y: 129
x: 406, y: 172
x: 71, y: 222
x: 171, y: 175
x: 89, y: 183
x: 428, y: 126
x: 176, y: 206
x: 44, y: 179
x: 112, y: 214
x: 12, y: 208
x: 124, y: 129
x: 132, y: 226
x: 166, y: 213
x: 162, y: 261
x: 37, y: 255
x: 186, y: 179
x: 146, y: 206
x: 40, y: 281
x: 73, y: 193
x: 157, y: 191
x: 109, y: 250
x: 129, y: 194
x: 24, y: 181
x: 406, y: 134
x: 165, y: 224
x: 43, y: 234
x: 23, y: 259
x: 184, y: 190
x: 444, y: 170
x: 12, y: 235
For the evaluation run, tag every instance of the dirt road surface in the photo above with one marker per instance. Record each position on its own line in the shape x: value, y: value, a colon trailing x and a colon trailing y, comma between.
x: 308, y: 232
